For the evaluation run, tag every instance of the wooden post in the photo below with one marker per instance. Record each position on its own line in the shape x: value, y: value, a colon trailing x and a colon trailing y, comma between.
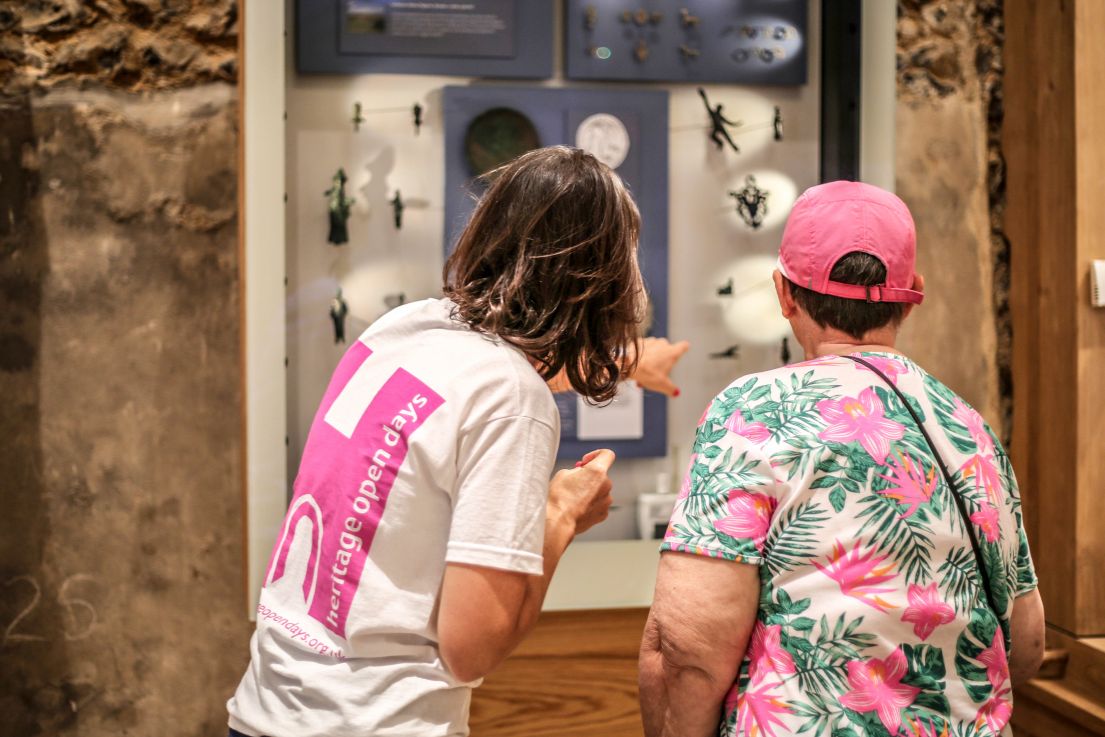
x: 1054, y: 141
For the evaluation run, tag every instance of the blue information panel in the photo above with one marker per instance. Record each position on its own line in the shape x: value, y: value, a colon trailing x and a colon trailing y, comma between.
x: 477, y: 38
x: 752, y: 42
x: 628, y: 129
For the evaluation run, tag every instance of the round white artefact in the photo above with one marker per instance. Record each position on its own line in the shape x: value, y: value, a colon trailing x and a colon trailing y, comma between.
x: 605, y: 137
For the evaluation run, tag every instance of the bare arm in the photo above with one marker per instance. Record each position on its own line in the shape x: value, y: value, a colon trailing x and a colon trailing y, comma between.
x: 697, y: 632
x: 1027, y: 625
x: 486, y: 612
x: 658, y: 358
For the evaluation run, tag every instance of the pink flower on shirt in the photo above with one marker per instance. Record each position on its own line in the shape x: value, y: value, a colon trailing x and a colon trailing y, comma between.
x: 993, y: 657
x: 757, y: 432
x: 749, y: 516
x: 987, y: 519
x: 758, y: 710
x: 926, y: 611
x: 975, y: 425
x: 912, y: 485
x: 996, y: 712
x: 766, y: 653
x: 890, y: 367
x: 860, y: 419
x: 860, y: 574
x: 876, y: 685
x: 985, y: 473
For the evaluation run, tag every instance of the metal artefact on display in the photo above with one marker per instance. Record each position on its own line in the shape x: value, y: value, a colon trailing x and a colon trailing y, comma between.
x: 719, y: 124
x: 497, y: 136
x: 339, y: 206
x: 751, y: 202
x: 339, y: 308
x: 397, y: 207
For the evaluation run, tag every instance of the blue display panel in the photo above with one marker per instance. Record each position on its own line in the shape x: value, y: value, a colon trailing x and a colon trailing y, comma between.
x: 475, y: 38
x: 753, y: 42
x: 558, y: 116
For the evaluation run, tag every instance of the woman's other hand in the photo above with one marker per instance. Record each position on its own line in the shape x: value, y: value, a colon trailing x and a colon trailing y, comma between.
x: 581, y: 496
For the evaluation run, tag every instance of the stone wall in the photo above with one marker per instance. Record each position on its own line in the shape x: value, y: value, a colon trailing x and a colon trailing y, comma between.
x: 126, y: 44
x: 122, y: 608
x: 951, y: 173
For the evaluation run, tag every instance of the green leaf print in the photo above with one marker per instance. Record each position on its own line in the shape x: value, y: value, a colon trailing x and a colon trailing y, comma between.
x: 821, y: 664
x: 978, y: 637
x: 821, y: 713
x: 793, y: 410
x: 943, y: 403
x: 792, y: 541
x: 908, y: 540
x: 996, y: 567
x: 698, y: 532
x: 868, y: 723
x: 1026, y: 576
x: 709, y: 489
x: 836, y: 498
x: 925, y: 669
x: 959, y: 580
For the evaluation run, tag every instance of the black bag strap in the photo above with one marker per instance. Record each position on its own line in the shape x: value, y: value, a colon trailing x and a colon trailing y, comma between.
x: 983, y: 574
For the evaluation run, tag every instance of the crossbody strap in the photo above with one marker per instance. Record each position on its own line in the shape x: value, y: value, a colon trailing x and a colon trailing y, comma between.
x: 983, y: 574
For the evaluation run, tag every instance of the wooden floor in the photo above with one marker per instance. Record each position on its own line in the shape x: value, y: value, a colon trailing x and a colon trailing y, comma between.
x: 575, y: 676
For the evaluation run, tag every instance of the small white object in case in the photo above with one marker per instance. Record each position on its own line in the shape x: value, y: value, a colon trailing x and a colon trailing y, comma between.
x: 1097, y: 283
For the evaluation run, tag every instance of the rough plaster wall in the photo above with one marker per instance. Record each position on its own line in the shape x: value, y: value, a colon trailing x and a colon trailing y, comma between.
x: 950, y: 172
x: 121, y: 600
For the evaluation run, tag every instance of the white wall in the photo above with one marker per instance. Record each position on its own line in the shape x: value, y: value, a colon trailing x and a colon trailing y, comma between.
x: 708, y: 243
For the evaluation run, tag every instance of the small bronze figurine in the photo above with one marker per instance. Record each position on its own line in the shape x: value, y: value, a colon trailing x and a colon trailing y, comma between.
x: 751, y: 202
x: 726, y: 290
x: 339, y: 206
x: 777, y: 123
x: 733, y: 351
x: 641, y: 51
x: 718, y: 123
x: 397, y: 208
x: 784, y: 355
x: 687, y: 19
x: 358, y: 116
x: 416, y: 110
x: 590, y: 17
x: 689, y: 52
x: 338, y: 310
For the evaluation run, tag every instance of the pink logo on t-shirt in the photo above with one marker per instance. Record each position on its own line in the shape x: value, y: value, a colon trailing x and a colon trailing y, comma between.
x: 357, y: 444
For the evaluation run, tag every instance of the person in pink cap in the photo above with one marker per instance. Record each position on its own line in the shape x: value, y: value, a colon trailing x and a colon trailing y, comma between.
x: 847, y: 556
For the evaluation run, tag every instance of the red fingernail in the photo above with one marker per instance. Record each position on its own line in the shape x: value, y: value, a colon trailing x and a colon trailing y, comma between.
x: 579, y: 463
x: 675, y: 393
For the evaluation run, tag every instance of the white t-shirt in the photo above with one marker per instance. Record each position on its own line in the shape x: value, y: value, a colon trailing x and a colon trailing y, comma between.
x: 432, y: 444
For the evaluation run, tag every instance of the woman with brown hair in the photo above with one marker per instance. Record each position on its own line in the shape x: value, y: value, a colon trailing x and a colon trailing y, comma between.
x: 424, y: 530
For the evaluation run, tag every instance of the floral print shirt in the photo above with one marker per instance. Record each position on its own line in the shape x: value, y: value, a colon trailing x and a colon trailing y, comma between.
x: 872, y: 619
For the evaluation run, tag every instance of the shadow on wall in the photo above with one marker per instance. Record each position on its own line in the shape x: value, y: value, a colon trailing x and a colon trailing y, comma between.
x: 31, y: 620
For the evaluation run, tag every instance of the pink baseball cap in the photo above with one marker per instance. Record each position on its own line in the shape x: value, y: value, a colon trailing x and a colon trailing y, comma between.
x: 832, y: 220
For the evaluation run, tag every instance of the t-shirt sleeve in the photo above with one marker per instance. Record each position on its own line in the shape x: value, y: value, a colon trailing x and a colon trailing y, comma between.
x: 503, y: 470
x: 729, y: 495
x: 1026, y: 580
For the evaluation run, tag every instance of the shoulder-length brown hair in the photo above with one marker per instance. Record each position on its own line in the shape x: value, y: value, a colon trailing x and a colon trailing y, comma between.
x: 548, y: 263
